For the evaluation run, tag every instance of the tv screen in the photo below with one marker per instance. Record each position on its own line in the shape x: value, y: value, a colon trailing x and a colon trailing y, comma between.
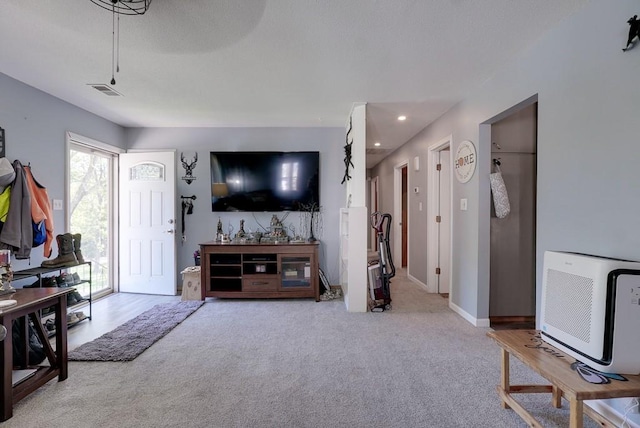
x: 264, y: 181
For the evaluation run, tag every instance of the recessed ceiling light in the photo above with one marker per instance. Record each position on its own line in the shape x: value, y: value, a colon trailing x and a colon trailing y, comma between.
x: 376, y: 144
x: 402, y: 117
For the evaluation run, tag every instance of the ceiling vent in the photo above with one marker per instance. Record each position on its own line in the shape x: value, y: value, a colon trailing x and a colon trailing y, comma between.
x: 377, y: 151
x: 106, y: 89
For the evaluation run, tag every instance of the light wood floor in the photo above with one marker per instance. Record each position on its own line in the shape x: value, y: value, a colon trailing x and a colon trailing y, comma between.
x: 110, y: 312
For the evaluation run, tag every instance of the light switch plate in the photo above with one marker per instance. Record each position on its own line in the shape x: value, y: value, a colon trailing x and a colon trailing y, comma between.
x: 57, y: 204
x: 463, y: 204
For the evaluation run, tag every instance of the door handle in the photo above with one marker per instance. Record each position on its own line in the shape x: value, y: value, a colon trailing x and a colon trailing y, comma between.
x: 171, y: 231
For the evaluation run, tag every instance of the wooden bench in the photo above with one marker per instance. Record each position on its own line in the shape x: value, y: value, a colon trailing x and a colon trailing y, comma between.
x: 554, y: 365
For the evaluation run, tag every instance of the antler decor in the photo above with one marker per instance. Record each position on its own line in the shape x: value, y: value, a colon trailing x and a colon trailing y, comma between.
x: 347, y: 154
x: 634, y: 31
x: 188, y: 177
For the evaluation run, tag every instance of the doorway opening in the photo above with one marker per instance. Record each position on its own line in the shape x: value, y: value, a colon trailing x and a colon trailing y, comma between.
x: 373, y: 207
x: 91, y: 190
x: 512, y: 296
x: 404, y: 217
x: 401, y: 214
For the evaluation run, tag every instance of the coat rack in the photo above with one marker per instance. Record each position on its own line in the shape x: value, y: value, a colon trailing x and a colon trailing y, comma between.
x: 187, y: 208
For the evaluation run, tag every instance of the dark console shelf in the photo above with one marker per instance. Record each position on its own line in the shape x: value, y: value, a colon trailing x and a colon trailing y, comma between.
x: 259, y: 270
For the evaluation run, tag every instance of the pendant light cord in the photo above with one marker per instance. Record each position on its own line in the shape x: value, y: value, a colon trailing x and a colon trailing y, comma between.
x: 113, y: 44
x: 118, y: 48
x: 120, y: 7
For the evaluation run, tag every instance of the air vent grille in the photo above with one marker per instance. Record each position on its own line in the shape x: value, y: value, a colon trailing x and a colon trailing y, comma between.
x: 106, y: 89
x: 377, y: 151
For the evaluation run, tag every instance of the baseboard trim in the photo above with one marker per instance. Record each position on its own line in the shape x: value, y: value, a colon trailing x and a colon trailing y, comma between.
x: 512, y: 319
x: 419, y: 283
x: 483, y: 322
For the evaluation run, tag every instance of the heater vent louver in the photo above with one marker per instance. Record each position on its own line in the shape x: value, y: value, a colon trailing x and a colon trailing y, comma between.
x: 106, y: 89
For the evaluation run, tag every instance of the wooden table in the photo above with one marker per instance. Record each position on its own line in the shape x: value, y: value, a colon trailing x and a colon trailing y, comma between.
x: 30, y: 302
x: 554, y: 366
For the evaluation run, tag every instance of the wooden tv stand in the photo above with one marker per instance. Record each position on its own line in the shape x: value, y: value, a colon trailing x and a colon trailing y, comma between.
x: 270, y: 270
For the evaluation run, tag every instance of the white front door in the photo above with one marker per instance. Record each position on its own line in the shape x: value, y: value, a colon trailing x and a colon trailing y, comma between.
x: 147, y: 223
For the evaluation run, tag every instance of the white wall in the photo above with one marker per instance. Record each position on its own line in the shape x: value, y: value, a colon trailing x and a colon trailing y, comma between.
x: 201, y: 225
x: 354, y: 223
x: 588, y: 131
x: 35, y: 127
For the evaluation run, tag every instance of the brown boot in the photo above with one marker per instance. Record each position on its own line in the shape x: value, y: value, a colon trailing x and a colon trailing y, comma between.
x: 77, y: 238
x: 66, y: 256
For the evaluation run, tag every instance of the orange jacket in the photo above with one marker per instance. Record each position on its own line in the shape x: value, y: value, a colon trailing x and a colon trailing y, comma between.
x: 40, y: 208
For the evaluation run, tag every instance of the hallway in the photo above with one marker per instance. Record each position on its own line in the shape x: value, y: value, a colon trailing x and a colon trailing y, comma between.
x: 407, y: 296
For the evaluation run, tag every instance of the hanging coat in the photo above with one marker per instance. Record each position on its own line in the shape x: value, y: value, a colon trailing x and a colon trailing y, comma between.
x: 40, y: 208
x: 17, y: 232
x: 5, y: 197
x: 500, y: 196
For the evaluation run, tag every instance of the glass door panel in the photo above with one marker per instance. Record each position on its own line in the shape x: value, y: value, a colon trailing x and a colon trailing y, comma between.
x: 296, y: 272
x: 90, y: 210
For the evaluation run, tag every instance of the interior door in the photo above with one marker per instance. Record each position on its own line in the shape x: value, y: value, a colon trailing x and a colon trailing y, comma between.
x: 444, y: 226
x: 147, y: 223
x: 405, y: 222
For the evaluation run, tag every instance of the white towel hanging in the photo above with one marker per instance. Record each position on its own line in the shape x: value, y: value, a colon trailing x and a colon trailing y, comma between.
x: 499, y: 191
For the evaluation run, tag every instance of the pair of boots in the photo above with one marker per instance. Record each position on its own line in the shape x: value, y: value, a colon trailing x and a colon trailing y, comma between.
x: 69, y: 253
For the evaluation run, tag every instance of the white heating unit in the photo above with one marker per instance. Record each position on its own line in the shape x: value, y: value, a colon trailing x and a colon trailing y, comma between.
x: 591, y: 310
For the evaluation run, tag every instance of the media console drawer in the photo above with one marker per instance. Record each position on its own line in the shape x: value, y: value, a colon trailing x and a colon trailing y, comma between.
x: 260, y: 283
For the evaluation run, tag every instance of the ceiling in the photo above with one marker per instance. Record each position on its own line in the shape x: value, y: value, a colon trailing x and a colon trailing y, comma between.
x: 300, y: 63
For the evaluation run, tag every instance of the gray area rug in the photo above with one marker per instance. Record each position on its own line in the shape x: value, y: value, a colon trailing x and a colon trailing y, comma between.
x: 133, y: 337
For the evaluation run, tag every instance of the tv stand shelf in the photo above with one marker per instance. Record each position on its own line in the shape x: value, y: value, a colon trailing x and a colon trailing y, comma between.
x: 259, y: 270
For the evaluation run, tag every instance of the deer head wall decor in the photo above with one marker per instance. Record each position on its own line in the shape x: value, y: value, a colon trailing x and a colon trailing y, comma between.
x: 188, y: 167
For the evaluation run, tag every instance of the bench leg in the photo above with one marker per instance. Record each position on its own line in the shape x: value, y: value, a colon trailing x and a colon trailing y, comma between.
x: 556, y: 397
x: 504, y: 381
x: 576, y: 417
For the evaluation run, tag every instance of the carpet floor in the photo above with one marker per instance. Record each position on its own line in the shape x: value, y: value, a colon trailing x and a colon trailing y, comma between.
x: 298, y: 363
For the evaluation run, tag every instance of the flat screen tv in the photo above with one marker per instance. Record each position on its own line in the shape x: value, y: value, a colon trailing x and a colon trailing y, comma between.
x: 264, y: 181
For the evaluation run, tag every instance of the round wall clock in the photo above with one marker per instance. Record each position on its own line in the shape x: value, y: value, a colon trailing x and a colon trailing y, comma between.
x: 465, y: 161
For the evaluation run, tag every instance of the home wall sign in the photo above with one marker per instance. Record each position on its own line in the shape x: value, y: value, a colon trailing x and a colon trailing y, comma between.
x: 465, y: 161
